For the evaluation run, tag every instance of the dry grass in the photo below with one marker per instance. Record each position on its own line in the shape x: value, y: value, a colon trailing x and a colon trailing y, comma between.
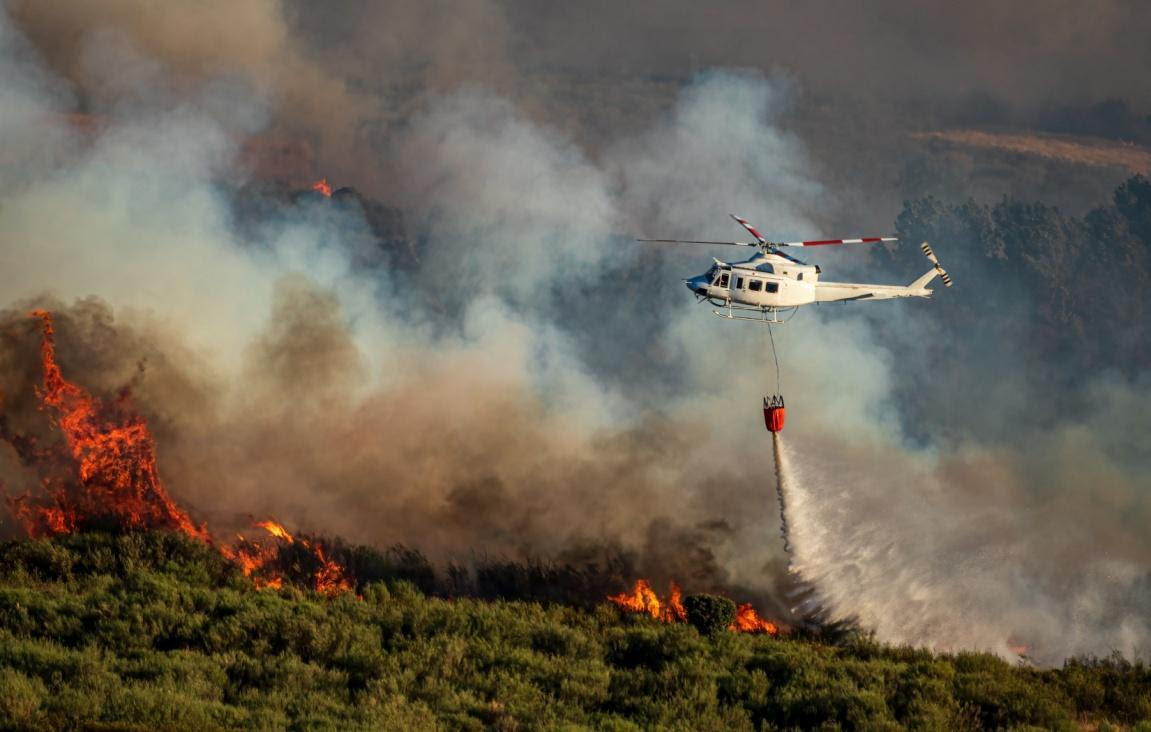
x: 1080, y: 150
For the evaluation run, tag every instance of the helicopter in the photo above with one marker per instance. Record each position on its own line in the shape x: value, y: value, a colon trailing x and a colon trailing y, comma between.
x: 772, y: 281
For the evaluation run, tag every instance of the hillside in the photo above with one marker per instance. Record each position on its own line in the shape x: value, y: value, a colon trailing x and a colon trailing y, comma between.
x: 156, y: 630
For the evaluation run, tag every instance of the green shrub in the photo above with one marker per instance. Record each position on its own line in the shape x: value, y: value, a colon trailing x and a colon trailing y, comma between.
x: 20, y: 698
x: 156, y: 631
x: 709, y: 614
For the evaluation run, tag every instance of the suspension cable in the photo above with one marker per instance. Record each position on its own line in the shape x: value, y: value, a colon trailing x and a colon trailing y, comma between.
x: 770, y: 332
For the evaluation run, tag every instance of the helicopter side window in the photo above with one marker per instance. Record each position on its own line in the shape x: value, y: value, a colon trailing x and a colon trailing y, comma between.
x: 739, y: 283
x: 772, y: 287
x: 754, y: 285
x: 799, y: 276
x: 723, y: 279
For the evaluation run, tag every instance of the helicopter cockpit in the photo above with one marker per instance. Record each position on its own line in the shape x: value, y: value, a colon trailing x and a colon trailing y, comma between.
x: 718, y: 276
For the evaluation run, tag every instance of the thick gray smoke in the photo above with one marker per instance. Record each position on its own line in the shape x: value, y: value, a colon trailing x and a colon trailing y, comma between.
x: 533, y: 382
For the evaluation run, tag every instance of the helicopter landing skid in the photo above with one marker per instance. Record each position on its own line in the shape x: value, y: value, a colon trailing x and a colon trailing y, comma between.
x: 729, y: 313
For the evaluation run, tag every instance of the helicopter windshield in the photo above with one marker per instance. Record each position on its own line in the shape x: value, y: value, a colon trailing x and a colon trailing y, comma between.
x: 712, y: 273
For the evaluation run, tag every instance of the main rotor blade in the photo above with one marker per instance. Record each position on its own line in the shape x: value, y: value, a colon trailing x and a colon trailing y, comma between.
x: 750, y: 229
x: 691, y: 241
x: 824, y: 242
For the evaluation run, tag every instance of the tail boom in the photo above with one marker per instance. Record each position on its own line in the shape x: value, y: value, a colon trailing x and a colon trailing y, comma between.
x: 846, y: 291
x: 843, y: 291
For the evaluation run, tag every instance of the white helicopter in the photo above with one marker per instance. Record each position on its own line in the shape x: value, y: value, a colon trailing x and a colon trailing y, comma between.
x: 772, y: 281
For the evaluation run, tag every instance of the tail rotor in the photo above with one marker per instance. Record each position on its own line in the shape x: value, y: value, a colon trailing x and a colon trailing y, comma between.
x: 930, y: 254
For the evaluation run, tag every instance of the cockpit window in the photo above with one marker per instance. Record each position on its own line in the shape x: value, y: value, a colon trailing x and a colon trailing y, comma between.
x: 723, y: 278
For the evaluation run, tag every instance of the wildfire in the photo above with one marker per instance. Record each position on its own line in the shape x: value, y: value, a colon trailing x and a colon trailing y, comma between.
x: 115, y: 456
x: 747, y: 620
x: 258, y: 560
x: 643, y: 599
x: 330, y: 577
x: 116, y: 481
x: 275, y: 530
x: 322, y: 186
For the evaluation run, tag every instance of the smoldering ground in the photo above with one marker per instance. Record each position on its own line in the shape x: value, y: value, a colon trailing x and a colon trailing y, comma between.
x: 533, y: 382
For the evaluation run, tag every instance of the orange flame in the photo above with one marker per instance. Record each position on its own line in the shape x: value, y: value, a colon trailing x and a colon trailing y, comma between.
x: 254, y: 559
x: 276, y: 530
x: 117, y: 479
x: 322, y: 186
x: 643, y: 599
x: 747, y: 620
x: 115, y: 456
x: 330, y: 578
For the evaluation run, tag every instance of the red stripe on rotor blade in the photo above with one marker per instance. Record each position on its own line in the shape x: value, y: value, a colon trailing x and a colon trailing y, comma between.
x: 744, y: 223
x: 869, y: 239
x: 818, y: 243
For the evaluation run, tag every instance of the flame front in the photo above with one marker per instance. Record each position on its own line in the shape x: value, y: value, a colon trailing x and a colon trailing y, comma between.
x: 747, y: 620
x: 322, y: 186
x: 643, y: 599
x: 330, y: 578
x: 115, y: 455
x: 276, y: 530
x: 116, y: 480
x: 257, y: 560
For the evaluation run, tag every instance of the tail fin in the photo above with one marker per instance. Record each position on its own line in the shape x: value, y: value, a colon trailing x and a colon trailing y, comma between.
x: 931, y: 274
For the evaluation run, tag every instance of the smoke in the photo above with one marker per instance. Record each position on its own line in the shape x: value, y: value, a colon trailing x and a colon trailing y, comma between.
x: 532, y: 382
x: 120, y: 55
x: 446, y: 406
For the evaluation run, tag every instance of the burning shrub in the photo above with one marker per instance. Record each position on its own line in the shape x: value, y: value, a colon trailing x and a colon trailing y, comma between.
x: 105, y: 479
x: 114, y: 482
x: 709, y: 614
x: 643, y: 599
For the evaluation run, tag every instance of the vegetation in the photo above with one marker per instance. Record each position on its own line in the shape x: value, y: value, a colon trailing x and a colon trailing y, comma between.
x: 153, y: 630
x: 1070, y: 288
x: 709, y: 614
x: 1040, y: 291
